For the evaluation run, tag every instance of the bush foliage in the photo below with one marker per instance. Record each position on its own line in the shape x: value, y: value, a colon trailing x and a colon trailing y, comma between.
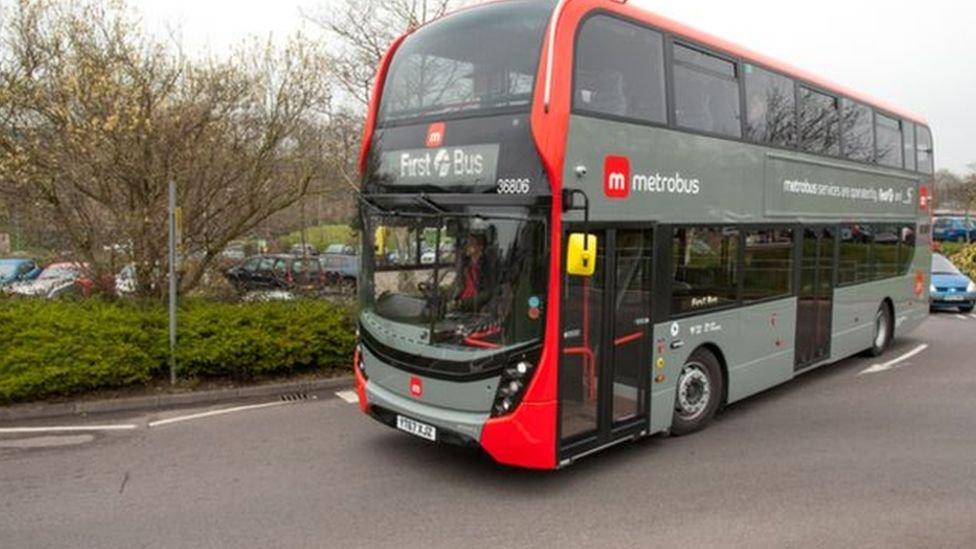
x: 63, y: 348
x: 965, y: 260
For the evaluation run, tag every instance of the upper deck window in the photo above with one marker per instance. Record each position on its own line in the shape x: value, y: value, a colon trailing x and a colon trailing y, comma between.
x: 858, y: 132
x: 889, y: 141
x: 706, y: 91
x: 909, y: 146
x: 770, y: 108
x: 819, y: 123
x: 620, y: 70
x: 926, y: 163
x: 480, y: 59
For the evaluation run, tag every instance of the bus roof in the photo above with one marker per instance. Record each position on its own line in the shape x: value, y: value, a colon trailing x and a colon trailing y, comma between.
x: 735, y: 50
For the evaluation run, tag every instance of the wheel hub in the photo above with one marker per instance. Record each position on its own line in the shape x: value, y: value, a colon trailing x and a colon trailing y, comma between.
x: 694, y: 392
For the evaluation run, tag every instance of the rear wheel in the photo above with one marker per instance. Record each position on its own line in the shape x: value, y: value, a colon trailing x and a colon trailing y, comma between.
x: 883, y: 331
x: 699, y: 393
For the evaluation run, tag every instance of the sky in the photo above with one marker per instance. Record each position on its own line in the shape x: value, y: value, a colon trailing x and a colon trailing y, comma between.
x: 920, y: 56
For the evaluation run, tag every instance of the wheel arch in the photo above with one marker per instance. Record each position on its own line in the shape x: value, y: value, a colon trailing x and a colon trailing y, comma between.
x: 723, y: 364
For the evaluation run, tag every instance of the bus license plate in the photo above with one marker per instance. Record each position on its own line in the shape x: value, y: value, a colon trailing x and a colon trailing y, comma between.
x: 416, y: 428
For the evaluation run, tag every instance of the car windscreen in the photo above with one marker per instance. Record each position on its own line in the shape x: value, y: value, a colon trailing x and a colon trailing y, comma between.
x: 480, y: 59
x: 941, y: 265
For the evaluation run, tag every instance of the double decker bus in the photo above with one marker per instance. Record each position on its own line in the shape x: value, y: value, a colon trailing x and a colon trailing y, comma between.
x: 586, y: 224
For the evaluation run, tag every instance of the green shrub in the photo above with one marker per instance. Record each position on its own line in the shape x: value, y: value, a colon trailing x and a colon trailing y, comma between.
x: 965, y: 259
x: 63, y: 348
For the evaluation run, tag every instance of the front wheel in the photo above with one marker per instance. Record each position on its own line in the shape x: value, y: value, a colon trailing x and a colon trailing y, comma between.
x: 883, y: 331
x: 699, y: 393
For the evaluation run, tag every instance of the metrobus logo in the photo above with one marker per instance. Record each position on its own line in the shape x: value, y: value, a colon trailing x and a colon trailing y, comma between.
x: 435, y: 135
x: 616, y: 177
x: 416, y: 387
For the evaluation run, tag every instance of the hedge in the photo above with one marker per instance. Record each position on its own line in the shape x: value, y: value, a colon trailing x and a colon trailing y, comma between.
x: 965, y: 260
x: 64, y: 348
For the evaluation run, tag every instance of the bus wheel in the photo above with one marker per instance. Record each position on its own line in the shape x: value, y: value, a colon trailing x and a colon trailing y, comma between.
x: 882, y: 331
x: 699, y: 393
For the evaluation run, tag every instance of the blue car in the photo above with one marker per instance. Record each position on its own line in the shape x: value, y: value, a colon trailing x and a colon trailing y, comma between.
x: 954, y: 229
x: 950, y: 288
x: 18, y: 270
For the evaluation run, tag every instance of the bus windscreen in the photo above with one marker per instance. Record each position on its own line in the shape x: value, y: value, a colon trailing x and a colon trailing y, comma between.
x: 472, y: 61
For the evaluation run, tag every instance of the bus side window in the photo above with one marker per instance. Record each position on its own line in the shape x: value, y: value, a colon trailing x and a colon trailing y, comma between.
x: 909, y: 146
x: 925, y: 156
x: 620, y: 71
x: 770, y: 108
x: 889, y: 141
x: 819, y: 123
x: 706, y: 90
x: 858, y: 129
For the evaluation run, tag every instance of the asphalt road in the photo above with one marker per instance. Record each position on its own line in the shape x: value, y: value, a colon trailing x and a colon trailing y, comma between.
x: 834, y: 459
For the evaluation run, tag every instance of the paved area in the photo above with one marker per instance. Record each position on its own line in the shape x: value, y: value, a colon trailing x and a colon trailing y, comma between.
x: 835, y: 459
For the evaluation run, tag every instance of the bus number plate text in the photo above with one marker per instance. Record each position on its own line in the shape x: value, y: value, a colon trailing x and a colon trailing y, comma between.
x: 416, y: 428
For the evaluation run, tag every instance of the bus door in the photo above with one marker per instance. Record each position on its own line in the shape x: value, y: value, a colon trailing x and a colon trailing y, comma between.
x: 816, y: 304
x: 606, y: 350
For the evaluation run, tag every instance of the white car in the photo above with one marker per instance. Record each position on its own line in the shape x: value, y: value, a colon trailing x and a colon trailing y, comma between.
x: 53, y: 281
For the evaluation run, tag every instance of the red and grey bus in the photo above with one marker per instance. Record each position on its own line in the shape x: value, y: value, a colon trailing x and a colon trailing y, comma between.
x: 585, y: 224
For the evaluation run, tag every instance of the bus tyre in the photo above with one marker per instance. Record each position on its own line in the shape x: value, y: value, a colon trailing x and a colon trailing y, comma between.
x: 883, y: 331
x: 699, y: 393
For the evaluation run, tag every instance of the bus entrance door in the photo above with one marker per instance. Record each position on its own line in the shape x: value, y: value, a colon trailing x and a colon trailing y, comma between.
x: 816, y: 304
x: 607, y: 347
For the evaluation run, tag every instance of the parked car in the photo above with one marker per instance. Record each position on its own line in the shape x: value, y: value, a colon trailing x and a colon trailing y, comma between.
x: 277, y: 272
x: 308, y: 249
x: 340, y: 249
x: 950, y: 287
x: 18, y: 270
x: 341, y: 269
x: 57, y: 280
x: 954, y: 229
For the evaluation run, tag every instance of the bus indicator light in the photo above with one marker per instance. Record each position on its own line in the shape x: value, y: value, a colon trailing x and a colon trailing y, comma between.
x: 616, y: 177
x: 435, y: 135
x: 416, y: 387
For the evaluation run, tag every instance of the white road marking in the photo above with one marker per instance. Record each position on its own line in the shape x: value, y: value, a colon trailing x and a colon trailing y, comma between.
x: 878, y: 368
x: 973, y: 317
x: 66, y: 429
x: 962, y: 317
x: 349, y: 396
x: 213, y: 413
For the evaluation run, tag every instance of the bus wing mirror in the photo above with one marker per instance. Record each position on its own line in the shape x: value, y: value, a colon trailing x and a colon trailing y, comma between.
x: 581, y: 255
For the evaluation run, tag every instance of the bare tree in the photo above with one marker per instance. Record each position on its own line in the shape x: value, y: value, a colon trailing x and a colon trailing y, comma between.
x: 95, y: 119
x: 364, y: 29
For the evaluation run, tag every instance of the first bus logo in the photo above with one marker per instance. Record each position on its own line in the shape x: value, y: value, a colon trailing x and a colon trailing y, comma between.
x: 616, y: 177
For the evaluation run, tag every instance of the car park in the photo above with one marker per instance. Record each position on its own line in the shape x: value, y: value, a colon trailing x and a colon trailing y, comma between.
x: 18, y: 270
x: 954, y: 229
x: 951, y: 289
x: 277, y: 272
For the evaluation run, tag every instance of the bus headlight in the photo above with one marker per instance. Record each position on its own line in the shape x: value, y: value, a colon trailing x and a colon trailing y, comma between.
x: 971, y: 288
x: 361, y: 361
x: 511, y: 388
